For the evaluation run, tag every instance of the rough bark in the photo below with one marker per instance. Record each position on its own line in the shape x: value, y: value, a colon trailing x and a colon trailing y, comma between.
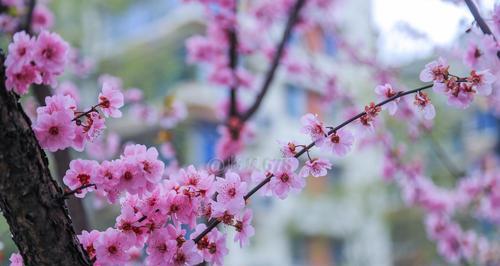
x: 30, y: 199
x: 62, y: 159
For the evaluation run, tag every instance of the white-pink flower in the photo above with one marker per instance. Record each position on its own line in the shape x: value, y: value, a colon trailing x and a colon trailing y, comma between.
x: 315, y: 167
x: 20, y: 51
x: 111, y: 248
x: 436, y: 71
x: 110, y: 100
x: 312, y: 126
x: 482, y: 81
x: 81, y: 173
x: 244, y: 228
x: 160, y: 248
x: 16, y: 260
x: 339, y: 142
x: 55, y: 131
x: 285, y: 179
x: 385, y: 92
x: 231, y: 188
x: 423, y: 103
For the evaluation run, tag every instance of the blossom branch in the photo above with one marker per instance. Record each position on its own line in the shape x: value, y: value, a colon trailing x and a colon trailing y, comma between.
x: 82, y: 114
x: 294, y: 17
x: 479, y: 20
x: 77, y: 190
x: 212, y: 224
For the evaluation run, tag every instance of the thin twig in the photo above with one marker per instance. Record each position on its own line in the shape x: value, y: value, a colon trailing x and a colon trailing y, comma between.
x: 292, y: 20
x: 92, y: 109
x: 214, y: 222
x: 78, y: 189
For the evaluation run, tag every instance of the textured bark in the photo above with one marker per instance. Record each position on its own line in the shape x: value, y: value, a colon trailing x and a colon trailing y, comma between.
x: 29, y: 198
x: 62, y: 159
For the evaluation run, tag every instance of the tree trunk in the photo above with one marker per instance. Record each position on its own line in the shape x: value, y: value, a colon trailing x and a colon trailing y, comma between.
x: 29, y: 198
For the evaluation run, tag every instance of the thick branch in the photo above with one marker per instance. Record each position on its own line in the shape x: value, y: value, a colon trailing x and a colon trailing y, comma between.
x: 29, y: 198
x: 294, y: 17
x: 479, y: 20
x: 213, y: 223
x: 29, y: 17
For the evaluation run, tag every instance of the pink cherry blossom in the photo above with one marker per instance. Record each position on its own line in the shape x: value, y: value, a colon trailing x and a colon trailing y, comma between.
x: 212, y: 246
x: 19, y: 81
x: 81, y: 173
x: 481, y: 81
x: 88, y: 239
x: 131, y: 177
x: 315, y: 167
x: 312, y: 126
x: 231, y: 188
x: 284, y: 179
x: 43, y: 19
x: 288, y: 149
x: 127, y: 223
x: 111, y: 248
x: 339, y: 142
x: 8, y: 24
x: 110, y: 100
x: 436, y: 71
x: 423, y: 102
x: 160, y: 248
x: 20, y: 51
x: 472, y: 55
x: 57, y: 103
x: 186, y: 255
x: 51, y: 52
x: 385, y: 92
x: 244, y: 228
x: 68, y: 88
x: 16, y: 260
x: 54, y: 131
x: 200, y: 49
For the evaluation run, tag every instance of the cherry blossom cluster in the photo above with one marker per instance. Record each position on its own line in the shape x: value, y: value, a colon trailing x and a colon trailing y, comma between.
x: 482, y: 53
x: 35, y: 60
x: 59, y: 125
x: 460, y: 92
x: 16, y: 12
x: 477, y: 193
x: 158, y: 213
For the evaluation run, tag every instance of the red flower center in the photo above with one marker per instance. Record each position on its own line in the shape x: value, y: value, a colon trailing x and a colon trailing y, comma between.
x: 54, y: 131
x: 112, y: 249
x: 84, y: 179
x: 128, y: 176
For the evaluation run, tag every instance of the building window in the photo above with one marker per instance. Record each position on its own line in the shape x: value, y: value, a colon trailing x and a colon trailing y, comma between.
x: 296, y: 100
x: 318, y: 250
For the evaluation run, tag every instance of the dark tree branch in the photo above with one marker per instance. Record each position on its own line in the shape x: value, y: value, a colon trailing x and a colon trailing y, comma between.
x: 479, y: 20
x: 292, y: 20
x: 29, y: 198
x: 214, y: 222
x: 29, y: 17
x: 233, y: 63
